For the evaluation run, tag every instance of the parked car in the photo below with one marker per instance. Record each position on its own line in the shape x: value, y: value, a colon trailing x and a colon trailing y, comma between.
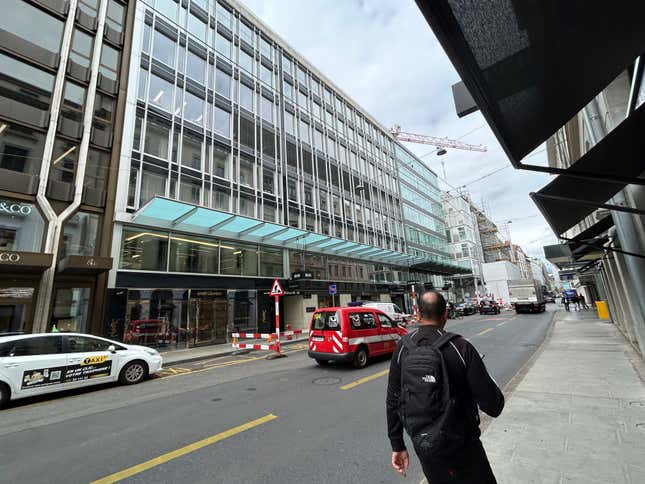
x: 34, y: 364
x: 466, y: 309
x: 352, y: 335
x: 392, y: 310
x: 489, y: 307
x: 549, y: 298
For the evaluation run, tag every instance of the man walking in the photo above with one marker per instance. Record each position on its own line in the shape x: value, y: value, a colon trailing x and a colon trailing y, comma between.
x: 565, y: 301
x: 437, y: 382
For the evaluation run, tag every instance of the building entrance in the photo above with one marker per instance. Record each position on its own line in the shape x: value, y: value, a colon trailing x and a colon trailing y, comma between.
x: 208, y: 316
x: 15, y: 308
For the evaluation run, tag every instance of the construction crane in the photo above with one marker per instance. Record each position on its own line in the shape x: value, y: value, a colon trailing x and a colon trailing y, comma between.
x: 440, y: 143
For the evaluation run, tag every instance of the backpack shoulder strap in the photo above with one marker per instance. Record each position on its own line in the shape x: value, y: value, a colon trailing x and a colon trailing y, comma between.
x: 444, y: 339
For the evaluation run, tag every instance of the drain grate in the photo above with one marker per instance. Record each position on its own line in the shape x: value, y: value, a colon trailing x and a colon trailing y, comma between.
x: 327, y: 380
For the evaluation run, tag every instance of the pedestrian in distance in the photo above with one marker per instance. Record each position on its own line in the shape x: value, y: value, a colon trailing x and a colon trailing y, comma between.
x: 565, y: 301
x: 437, y: 385
x: 583, y: 302
x: 576, y: 301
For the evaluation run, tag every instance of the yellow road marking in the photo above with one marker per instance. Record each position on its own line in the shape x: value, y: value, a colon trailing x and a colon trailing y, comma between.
x: 485, y: 331
x: 162, y: 459
x: 360, y: 381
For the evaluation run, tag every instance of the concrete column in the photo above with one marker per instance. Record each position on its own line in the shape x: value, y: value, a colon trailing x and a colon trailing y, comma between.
x: 617, y: 293
x: 632, y: 298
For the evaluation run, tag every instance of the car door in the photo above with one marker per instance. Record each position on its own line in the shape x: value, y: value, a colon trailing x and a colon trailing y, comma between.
x: 389, y: 332
x: 35, y: 365
x: 371, y: 331
x: 89, y: 362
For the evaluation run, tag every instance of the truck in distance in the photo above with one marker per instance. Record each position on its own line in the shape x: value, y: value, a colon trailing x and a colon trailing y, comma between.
x: 526, y: 296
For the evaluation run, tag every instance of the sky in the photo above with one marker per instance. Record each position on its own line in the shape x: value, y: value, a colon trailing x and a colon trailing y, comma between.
x: 383, y: 54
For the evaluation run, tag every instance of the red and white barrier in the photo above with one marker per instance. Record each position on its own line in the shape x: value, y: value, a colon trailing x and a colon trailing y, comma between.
x: 271, y: 345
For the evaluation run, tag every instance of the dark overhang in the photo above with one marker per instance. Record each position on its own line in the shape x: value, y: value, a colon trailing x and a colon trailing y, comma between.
x: 532, y: 66
x: 440, y: 268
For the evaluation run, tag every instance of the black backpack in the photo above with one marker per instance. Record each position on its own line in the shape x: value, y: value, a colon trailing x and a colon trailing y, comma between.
x: 427, y: 408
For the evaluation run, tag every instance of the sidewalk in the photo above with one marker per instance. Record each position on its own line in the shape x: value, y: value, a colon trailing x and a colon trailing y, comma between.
x: 175, y: 357
x: 578, y: 415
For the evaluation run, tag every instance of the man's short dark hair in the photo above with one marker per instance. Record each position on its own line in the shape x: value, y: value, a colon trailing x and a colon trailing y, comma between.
x: 432, y: 305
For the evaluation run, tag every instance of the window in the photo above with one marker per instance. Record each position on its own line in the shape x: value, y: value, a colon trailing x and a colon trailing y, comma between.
x: 271, y: 262
x: 71, y: 308
x: 96, y: 169
x: 362, y: 320
x: 190, y: 190
x: 302, y: 77
x: 462, y: 233
x: 34, y: 26
x: 64, y: 159
x: 268, y: 180
x: 223, y: 46
x: 104, y: 107
x: 193, y: 254
x: 239, y: 259
x: 21, y: 149
x: 144, y: 249
x: 247, y: 206
x: 196, y: 67
x: 224, y: 16
x: 41, y: 345
x: 247, y: 167
x: 246, y: 97
x: 265, y: 49
x: 81, y: 51
x: 246, y: 33
x: 153, y: 182
x: 267, y: 109
x: 246, y: 62
x: 193, y: 109
x: 160, y: 93
x: 326, y: 321
x: 109, y: 63
x: 287, y: 65
x: 197, y: 27
x: 223, y: 83
x: 318, y: 140
x: 268, y: 143
x: 302, y: 100
x: 79, y: 234
x: 21, y: 227
x: 222, y: 123
x: 385, y: 321
x: 266, y: 75
x: 191, y: 150
x: 304, y: 132
x: 157, y: 138
x: 86, y: 344
x: 287, y: 89
x: 167, y: 8
x: 221, y: 162
x: 289, y: 126
x: 115, y: 16
x: 269, y: 212
x: 221, y: 198
x: 292, y: 189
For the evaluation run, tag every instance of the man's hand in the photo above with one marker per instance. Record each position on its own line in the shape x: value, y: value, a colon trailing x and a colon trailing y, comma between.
x: 400, y: 462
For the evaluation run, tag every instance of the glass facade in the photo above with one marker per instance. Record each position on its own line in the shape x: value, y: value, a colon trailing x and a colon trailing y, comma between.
x: 218, y: 97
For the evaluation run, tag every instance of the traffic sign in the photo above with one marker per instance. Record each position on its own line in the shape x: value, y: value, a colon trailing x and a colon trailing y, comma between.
x: 276, y: 289
x: 332, y: 289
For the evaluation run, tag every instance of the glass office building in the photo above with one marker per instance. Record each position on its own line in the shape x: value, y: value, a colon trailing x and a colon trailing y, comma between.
x: 244, y: 163
x: 60, y: 70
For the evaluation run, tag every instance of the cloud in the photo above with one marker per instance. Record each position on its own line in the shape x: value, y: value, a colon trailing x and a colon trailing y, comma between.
x: 383, y: 54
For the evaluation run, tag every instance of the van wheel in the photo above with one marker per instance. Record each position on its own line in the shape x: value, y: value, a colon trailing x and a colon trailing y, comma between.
x: 360, y: 358
x: 322, y: 362
x: 133, y: 373
x: 5, y: 394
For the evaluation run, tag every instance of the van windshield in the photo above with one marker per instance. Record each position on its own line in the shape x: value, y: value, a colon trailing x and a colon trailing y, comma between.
x: 326, y: 320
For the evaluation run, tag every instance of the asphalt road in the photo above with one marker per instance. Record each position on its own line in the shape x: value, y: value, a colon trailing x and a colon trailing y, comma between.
x: 236, y: 420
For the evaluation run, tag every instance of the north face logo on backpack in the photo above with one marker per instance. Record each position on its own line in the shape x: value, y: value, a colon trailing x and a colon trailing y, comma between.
x: 429, y: 379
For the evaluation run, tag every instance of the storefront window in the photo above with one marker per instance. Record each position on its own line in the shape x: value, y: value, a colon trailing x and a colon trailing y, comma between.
x: 144, y: 250
x: 21, y: 226
x: 15, y: 310
x: 79, y: 234
x: 271, y: 262
x: 71, y: 306
x: 239, y: 259
x: 193, y: 254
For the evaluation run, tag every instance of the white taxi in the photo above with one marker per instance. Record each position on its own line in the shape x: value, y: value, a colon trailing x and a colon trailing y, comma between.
x: 33, y: 364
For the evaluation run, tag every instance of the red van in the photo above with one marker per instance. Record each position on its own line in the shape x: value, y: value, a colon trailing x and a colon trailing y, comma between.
x: 351, y: 334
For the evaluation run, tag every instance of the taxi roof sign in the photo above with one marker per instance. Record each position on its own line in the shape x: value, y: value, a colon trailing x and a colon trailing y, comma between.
x: 276, y: 288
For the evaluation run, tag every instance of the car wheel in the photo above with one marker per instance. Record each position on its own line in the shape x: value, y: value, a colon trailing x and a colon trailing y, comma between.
x: 133, y: 373
x: 5, y: 394
x: 322, y: 362
x: 360, y: 358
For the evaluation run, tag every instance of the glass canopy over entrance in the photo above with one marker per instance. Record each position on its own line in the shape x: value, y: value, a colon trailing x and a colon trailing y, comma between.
x: 175, y: 215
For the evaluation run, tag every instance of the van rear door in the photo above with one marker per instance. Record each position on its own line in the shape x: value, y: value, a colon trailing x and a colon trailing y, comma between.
x: 326, y: 332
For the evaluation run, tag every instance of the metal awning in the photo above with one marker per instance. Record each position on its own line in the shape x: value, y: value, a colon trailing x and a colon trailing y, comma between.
x: 440, y: 268
x: 565, y: 200
x: 531, y: 66
x: 164, y: 213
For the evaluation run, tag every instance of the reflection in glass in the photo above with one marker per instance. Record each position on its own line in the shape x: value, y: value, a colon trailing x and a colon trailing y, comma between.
x: 193, y: 254
x: 221, y: 162
x: 238, y: 259
x: 271, y: 262
x: 21, y: 149
x: 153, y: 182
x: 157, y: 136
x: 222, y: 124
x: 21, y: 226
x: 79, y: 234
x: 191, y: 151
x: 193, y: 108
x: 190, y: 190
x: 160, y: 93
x: 164, y: 49
x: 143, y: 249
x: 246, y: 97
x: 196, y: 67
x: 223, y: 83
x: 70, y: 309
x: 33, y: 26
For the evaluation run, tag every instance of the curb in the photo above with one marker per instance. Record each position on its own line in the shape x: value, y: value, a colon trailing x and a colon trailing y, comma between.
x: 191, y: 359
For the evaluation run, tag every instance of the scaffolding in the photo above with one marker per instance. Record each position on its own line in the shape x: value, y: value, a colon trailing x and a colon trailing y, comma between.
x: 495, y: 239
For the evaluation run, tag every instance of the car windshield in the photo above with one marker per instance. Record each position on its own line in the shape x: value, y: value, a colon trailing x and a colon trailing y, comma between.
x: 326, y: 320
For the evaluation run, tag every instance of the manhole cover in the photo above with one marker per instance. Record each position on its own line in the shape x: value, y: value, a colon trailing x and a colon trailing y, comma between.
x: 637, y: 404
x: 328, y: 380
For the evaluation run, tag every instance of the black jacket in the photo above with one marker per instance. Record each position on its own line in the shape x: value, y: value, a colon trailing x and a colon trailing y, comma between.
x: 472, y: 385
